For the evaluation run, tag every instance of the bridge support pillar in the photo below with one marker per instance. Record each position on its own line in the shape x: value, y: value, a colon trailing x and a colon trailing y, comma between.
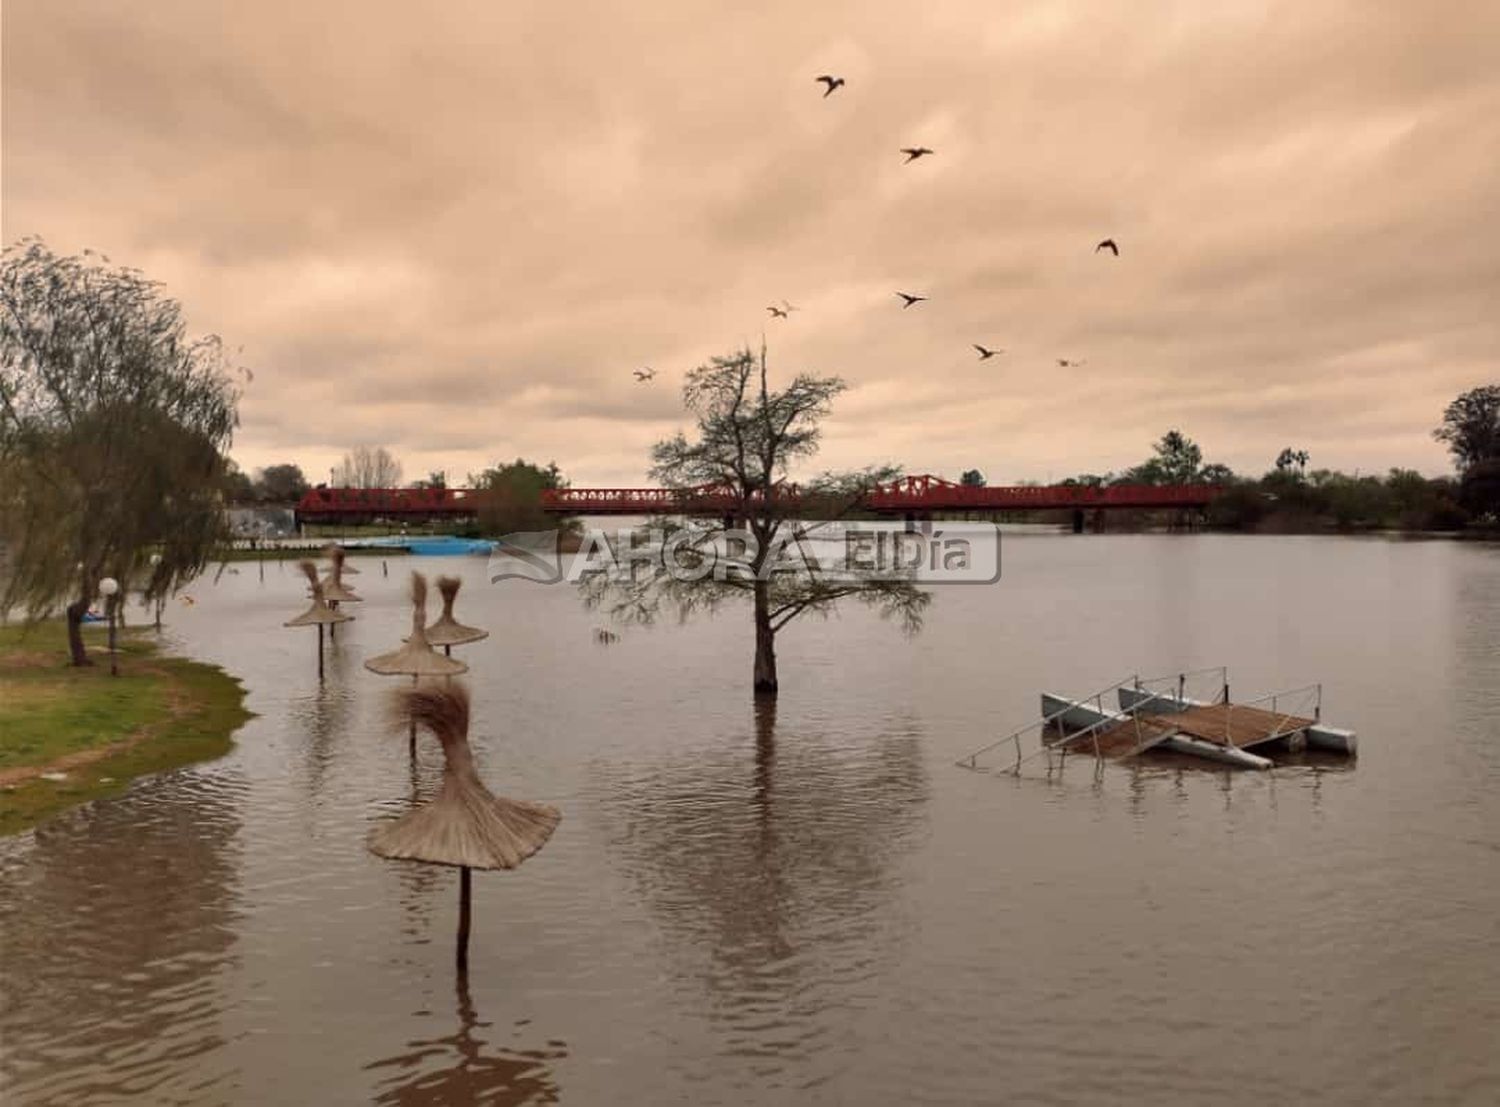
x: 1078, y: 520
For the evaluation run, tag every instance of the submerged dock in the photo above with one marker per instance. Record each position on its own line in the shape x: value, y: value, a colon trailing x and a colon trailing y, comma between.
x: 1148, y: 719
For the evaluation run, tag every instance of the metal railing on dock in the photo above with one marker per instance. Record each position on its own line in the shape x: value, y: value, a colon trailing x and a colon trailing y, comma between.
x: 1310, y: 695
x: 1097, y: 698
x: 1220, y: 688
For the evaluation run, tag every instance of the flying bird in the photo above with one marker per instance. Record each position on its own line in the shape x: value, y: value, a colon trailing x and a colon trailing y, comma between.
x: 645, y: 374
x: 913, y: 153
x: 985, y: 353
x: 1067, y: 364
x: 910, y: 299
x: 1108, y: 244
x: 789, y: 306
x: 833, y: 83
x: 777, y: 313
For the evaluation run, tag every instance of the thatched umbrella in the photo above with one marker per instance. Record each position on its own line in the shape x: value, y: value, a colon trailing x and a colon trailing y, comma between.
x: 466, y: 825
x: 416, y: 658
x: 335, y: 591
x: 319, y: 614
x: 334, y: 588
x: 446, y: 631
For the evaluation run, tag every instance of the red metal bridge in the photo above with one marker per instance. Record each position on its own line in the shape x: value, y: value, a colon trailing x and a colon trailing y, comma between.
x: 907, y: 496
x: 918, y: 495
x: 347, y: 505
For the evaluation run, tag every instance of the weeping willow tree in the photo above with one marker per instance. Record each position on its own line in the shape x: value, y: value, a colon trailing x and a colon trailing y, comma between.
x: 748, y: 435
x: 113, y: 427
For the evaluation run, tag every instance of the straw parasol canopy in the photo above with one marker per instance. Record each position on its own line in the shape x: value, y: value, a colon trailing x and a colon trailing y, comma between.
x: 416, y: 657
x: 466, y: 825
x: 319, y: 614
x: 334, y: 589
x: 447, y: 631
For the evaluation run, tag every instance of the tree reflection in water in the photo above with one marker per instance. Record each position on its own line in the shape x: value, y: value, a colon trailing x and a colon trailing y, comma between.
x: 768, y: 863
x: 456, y: 1069
x: 324, y: 715
x: 109, y: 984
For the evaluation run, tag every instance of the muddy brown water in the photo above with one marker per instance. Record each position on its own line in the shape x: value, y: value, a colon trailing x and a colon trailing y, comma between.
x: 812, y: 904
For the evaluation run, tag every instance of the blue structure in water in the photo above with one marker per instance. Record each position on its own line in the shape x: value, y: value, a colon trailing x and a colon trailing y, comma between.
x: 435, y: 545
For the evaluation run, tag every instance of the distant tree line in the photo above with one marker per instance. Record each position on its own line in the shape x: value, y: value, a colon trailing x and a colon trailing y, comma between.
x: 509, y: 493
x: 275, y: 484
x: 1292, y: 496
x: 1289, y: 495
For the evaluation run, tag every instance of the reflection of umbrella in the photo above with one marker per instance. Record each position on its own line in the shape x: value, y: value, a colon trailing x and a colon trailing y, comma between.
x: 466, y: 825
x: 319, y: 614
x: 458, y: 1068
x: 447, y: 631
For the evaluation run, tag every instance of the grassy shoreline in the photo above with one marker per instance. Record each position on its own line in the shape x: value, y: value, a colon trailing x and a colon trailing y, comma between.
x: 294, y: 555
x: 70, y: 735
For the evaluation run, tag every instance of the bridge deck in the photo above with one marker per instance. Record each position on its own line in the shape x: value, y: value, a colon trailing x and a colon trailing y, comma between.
x: 908, y: 496
x: 1233, y: 725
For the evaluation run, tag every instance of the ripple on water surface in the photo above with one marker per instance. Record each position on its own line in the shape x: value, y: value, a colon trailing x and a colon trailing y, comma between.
x: 810, y: 904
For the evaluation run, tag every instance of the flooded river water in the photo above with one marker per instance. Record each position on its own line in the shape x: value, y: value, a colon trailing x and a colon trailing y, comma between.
x: 811, y: 904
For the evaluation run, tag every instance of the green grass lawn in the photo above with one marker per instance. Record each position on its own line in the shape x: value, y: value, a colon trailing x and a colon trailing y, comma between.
x: 160, y: 712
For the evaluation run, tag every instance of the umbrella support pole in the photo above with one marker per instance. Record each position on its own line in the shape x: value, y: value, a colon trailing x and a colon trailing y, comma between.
x: 320, y: 651
x: 463, y: 918
x: 411, y: 735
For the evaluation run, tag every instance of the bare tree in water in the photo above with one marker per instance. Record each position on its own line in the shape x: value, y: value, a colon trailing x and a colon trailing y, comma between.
x: 747, y: 437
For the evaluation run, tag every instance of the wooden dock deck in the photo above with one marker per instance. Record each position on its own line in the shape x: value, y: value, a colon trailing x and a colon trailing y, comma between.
x: 1227, y: 726
x: 1235, y: 725
x: 1121, y: 740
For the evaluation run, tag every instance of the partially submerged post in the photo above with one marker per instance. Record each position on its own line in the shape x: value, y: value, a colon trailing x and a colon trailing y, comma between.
x: 319, y: 614
x: 466, y: 825
x: 416, y: 658
x: 448, y: 631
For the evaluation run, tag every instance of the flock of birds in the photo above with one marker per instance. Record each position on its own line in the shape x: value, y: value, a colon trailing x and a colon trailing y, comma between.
x: 832, y: 84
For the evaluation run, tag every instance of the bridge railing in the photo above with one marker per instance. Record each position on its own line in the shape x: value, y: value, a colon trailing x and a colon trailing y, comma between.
x: 909, y: 494
x: 918, y: 496
x: 387, y: 501
x: 705, y: 499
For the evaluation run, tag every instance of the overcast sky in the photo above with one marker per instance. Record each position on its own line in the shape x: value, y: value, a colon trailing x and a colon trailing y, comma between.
x: 454, y: 229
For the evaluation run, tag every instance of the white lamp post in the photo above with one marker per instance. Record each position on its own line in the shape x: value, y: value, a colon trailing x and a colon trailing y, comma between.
x: 107, y: 588
x: 160, y: 600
